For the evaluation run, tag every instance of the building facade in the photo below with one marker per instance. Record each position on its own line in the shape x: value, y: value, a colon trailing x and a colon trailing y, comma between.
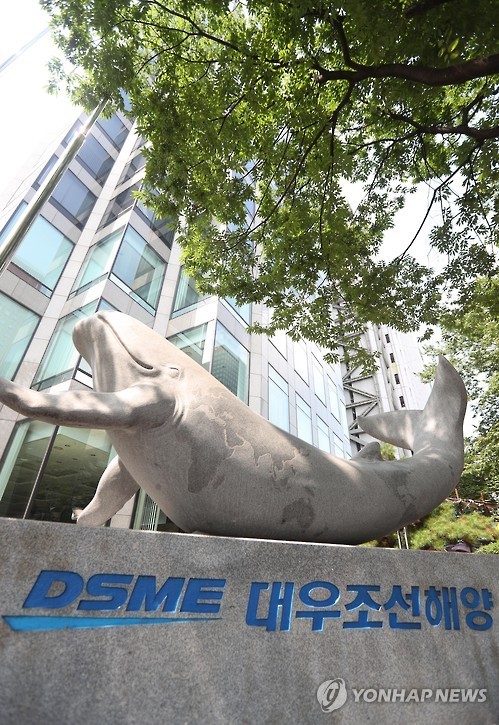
x: 395, y: 385
x: 94, y: 247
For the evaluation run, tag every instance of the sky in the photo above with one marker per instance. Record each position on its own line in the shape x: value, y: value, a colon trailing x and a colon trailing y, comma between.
x: 31, y: 121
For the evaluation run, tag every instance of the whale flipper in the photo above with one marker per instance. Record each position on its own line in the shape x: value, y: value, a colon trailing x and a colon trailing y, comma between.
x: 115, y: 488
x: 136, y: 405
x: 398, y: 428
x: 371, y: 452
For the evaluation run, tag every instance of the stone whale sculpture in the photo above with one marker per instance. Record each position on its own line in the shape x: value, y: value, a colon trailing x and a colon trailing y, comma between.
x: 214, y: 466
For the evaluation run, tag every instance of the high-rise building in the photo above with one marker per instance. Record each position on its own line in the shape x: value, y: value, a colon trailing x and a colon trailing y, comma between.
x: 92, y: 247
x: 395, y: 385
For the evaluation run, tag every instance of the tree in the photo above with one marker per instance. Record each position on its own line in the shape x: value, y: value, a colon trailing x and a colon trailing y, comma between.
x: 471, y: 342
x: 446, y: 525
x: 259, y: 113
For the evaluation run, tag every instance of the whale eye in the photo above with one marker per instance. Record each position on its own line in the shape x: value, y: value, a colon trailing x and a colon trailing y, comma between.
x: 173, y: 371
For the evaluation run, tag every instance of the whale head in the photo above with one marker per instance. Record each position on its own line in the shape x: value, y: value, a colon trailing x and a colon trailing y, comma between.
x: 123, y: 351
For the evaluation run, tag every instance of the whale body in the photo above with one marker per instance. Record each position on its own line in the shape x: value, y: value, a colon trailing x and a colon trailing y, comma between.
x: 214, y: 466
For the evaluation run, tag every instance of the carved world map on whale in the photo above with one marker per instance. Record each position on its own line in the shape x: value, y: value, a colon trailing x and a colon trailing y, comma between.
x: 214, y: 466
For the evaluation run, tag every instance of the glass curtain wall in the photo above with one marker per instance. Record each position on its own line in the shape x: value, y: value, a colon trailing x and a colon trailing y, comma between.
x: 230, y: 364
x: 128, y: 261
x: 62, y: 466
x: 42, y: 256
x: 17, y: 326
x: 61, y: 357
x: 192, y: 342
x: 303, y: 420
x: 278, y: 400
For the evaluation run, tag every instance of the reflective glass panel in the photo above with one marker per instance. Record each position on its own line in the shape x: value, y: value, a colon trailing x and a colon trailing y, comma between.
x: 72, y: 198
x: 333, y: 398
x: 230, y: 363
x: 303, y: 420
x: 139, y: 268
x: 95, y: 159
x: 243, y: 311
x: 278, y: 400
x: 318, y: 376
x: 115, y: 130
x: 13, y: 219
x: 323, y: 436
x: 338, y: 445
x: 61, y: 356
x: 186, y: 293
x: 98, y: 261
x: 279, y: 340
x: 77, y: 460
x: 138, y: 162
x: 301, y: 366
x: 191, y: 342
x: 17, y: 326
x: 119, y: 205
x: 43, y: 254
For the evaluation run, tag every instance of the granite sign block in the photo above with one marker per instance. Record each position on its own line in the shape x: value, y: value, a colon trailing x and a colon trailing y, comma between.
x: 112, y: 626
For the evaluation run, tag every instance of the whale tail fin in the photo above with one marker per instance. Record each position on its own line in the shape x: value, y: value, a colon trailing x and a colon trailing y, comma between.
x: 441, y: 421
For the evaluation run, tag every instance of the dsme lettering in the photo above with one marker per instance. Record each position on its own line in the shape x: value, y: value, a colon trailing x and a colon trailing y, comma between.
x: 109, y: 592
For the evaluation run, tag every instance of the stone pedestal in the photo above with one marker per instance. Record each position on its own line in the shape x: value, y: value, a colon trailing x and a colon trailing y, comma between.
x: 111, y: 626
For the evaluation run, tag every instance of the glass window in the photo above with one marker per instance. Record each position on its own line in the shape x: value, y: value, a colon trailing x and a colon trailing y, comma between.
x: 163, y: 226
x: 98, y: 261
x: 338, y: 445
x: 278, y: 400
x: 318, y: 376
x: 191, y: 342
x: 230, y: 363
x: 77, y: 458
x: 131, y: 263
x: 75, y: 128
x: 95, y: 159
x: 13, y: 219
x: 18, y: 325
x: 301, y: 366
x: 244, y: 311
x: 343, y: 416
x: 303, y: 420
x: 45, y: 172
x: 186, y: 294
x: 138, y: 162
x: 115, y: 130
x: 333, y: 398
x: 72, y: 198
x: 139, y: 267
x: 323, y: 436
x: 43, y: 254
x: 61, y: 356
x: 119, y: 205
x: 280, y: 341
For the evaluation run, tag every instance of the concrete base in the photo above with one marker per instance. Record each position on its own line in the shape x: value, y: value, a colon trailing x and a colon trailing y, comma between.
x: 217, y: 630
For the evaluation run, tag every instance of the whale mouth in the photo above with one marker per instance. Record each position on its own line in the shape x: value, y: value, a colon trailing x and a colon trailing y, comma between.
x: 137, y: 360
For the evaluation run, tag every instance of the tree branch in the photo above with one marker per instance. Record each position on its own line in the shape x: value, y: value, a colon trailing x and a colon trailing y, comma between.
x: 479, y: 134
x: 418, y: 8
x: 426, y: 75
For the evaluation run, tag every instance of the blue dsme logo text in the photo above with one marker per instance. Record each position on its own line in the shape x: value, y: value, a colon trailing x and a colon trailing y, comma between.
x: 55, y: 590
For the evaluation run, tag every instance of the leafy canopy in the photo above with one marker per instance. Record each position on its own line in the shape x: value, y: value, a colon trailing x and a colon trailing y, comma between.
x: 259, y: 112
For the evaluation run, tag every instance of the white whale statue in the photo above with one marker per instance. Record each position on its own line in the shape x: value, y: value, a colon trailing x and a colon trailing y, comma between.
x: 214, y: 466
